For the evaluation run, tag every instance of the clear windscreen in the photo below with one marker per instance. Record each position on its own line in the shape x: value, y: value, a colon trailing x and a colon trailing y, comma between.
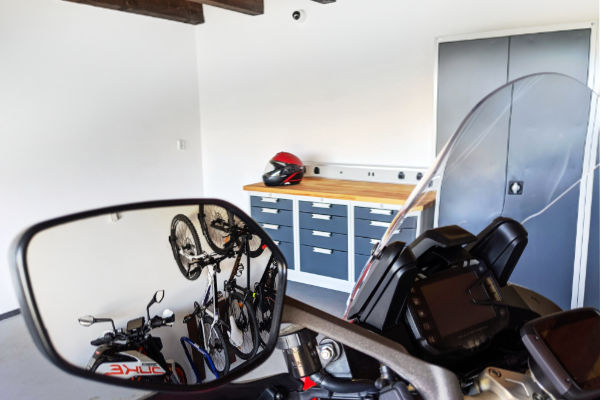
x: 527, y: 151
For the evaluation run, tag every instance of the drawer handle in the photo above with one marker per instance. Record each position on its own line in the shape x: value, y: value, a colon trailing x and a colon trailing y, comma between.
x: 322, y: 234
x: 322, y: 251
x: 270, y: 226
x: 321, y: 205
x: 380, y: 211
x: 269, y: 200
x: 276, y: 242
x: 321, y: 216
x: 380, y: 224
x: 270, y: 210
x: 374, y: 241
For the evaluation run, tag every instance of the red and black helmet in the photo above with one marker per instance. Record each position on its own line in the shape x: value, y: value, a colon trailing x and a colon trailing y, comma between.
x: 284, y: 169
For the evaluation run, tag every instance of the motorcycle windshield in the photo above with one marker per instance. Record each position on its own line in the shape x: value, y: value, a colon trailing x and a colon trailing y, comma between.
x: 527, y: 151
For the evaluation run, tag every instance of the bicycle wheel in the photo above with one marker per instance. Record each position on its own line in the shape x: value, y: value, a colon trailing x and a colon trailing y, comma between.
x: 255, y: 242
x: 264, y: 316
x: 245, y: 320
x: 185, y: 244
x: 216, y: 226
x: 217, y: 345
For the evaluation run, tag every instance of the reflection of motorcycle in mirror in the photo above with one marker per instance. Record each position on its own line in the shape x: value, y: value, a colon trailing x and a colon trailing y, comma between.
x: 133, y: 353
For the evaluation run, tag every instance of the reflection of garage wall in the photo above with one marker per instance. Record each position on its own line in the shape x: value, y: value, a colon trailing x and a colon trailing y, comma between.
x: 112, y: 269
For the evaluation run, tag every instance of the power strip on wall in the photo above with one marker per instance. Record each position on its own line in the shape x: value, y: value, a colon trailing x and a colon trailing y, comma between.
x: 382, y: 174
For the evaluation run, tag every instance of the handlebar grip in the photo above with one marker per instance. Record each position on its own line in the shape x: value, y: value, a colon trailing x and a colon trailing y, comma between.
x: 102, y: 340
x: 170, y: 319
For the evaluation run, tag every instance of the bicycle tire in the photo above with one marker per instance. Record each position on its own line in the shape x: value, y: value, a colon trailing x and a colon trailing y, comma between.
x: 184, y: 237
x: 264, y: 306
x: 255, y: 243
x: 218, y: 348
x: 217, y: 239
x: 245, y: 319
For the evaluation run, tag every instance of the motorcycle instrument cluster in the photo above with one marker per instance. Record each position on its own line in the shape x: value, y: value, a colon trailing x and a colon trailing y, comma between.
x: 565, y: 352
x: 440, y: 330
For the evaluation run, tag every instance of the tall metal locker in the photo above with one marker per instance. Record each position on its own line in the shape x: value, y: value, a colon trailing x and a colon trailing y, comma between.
x: 549, y: 272
x: 468, y: 70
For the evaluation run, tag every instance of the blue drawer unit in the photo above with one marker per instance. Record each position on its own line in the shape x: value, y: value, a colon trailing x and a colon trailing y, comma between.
x: 406, y: 235
x: 324, y: 208
x: 326, y: 262
x: 323, y: 222
x: 409, y: 223
x: 270, y: 202
x: 360, y: 260
x: 374, y: 214
x: 272, y: 215
x: 279, y: 232
x: 370, y: 229
x: 328, y: 240
x: 363, y: 245
x: 287, y: 249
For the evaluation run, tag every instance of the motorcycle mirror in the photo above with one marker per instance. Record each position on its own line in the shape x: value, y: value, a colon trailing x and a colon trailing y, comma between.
x: 174, y: 246
x: 87, y: 320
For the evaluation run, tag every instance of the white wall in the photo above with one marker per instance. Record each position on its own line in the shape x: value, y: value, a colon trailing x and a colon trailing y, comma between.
x: 354, y: 83
x: 92, y: 102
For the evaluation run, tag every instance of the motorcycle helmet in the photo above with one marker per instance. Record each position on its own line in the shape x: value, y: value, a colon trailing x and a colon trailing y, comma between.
x: 284, y: 169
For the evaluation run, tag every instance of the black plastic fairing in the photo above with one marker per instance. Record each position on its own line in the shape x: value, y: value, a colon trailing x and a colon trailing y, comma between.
x: 384, y: 291
x: 500, y: 246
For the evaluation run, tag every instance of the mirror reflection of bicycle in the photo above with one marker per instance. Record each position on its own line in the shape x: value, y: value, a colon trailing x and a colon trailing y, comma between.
x: 239, y: 329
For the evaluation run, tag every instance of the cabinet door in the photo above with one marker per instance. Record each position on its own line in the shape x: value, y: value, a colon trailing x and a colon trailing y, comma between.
x: 566, y: 52
x: 548, y: 163
x: 467, y: 71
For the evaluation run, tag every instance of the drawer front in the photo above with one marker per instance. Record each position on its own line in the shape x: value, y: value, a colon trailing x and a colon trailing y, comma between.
x: 324, y: 208
x: 287, y: 249
x: 327, y: 262
x: 279, y: 232
x: 323, y: 222
x: 374, y: 214
x: 360, y: 260
x: 409, y: 223
x: 272, y: 215
x: 328, y: 240
x: 363, y: 245
x: 370, y: 229
x: 270, y: 202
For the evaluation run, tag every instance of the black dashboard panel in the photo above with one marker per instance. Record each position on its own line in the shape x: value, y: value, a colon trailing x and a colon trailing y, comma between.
x: 433, y: 304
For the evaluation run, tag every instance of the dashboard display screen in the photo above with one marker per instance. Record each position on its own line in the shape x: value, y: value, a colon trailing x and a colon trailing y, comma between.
x: 451, y: 304
x: 576, y: 345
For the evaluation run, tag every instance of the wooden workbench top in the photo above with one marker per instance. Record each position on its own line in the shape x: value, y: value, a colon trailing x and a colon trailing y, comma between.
x: 373, y: 192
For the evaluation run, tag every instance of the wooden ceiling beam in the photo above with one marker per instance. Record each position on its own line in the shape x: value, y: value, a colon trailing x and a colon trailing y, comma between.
x: 186, y: 11
x: 250, y: 7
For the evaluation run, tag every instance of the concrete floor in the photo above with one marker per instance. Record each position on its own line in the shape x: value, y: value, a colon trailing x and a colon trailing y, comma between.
x: 26, y: 374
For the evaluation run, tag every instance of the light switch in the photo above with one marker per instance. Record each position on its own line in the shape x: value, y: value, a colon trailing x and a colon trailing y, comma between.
x: 181, y: 144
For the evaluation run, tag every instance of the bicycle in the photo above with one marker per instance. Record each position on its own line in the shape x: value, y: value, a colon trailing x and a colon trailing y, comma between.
x: 225, y: 232
x: 264, y: 300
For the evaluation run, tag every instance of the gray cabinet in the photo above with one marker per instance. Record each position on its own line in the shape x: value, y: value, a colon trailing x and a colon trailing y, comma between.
x: 545, y: 267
